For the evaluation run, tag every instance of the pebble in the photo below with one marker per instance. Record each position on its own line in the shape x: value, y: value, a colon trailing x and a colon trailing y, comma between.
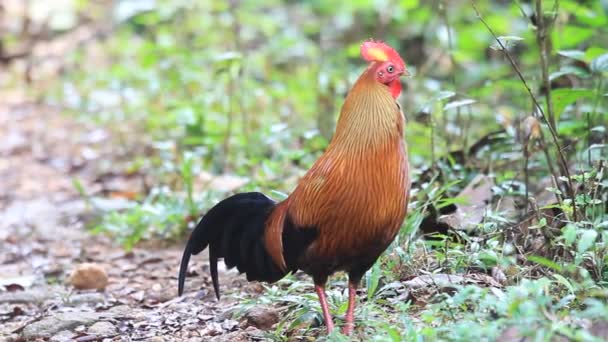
x: 155, y: 339
x: 89, y: 276
x: 34, y: 295
x: 90, y: 299
x: 102, y: 328
x: 50, y: 326
x: 63, y: 336
x: 262, y: 317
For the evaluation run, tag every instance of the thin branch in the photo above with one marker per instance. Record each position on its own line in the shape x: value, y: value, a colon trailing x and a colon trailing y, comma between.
x: 542, y: 27
x: 545, y: 149
x: 527, y: 172
x: 591, y: 116
x: 554, y: 136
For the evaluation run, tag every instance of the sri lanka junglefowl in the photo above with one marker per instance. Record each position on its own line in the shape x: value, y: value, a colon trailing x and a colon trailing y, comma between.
x: 342, y: 214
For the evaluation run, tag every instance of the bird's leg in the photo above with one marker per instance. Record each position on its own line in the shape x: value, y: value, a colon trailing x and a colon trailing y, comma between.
x: 320, y: 288
x: 349, y: 324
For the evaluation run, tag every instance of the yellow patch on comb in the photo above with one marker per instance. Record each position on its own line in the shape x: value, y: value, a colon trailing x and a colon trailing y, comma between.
x: 377, y: 51
x: 376, y: 54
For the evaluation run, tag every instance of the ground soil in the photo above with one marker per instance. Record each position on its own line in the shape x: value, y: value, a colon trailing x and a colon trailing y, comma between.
x: 44, y: 237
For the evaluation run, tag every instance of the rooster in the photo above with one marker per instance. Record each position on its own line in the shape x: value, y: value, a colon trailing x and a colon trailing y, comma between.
x: 343, y: 213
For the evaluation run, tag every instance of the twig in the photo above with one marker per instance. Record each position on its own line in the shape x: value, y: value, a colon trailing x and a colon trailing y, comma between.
x: 545, y: 149
x: 554, y: 135
x: 527, y: 172
x: 588, y: 118
x: 598, y: 96
x: 433, y: 160
x: 541, y: 38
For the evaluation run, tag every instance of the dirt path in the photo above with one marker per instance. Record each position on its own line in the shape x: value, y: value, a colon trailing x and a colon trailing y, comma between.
x: 43, y: 239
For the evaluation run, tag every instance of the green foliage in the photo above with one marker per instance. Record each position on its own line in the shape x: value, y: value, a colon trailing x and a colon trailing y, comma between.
x: 160, y: 215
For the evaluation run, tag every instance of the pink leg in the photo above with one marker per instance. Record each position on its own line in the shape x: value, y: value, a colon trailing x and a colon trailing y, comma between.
x: 324, y: 307
x: 349, y: 325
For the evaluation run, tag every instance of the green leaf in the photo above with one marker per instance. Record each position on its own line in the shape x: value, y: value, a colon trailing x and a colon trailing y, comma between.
x: 586, y: 13
x: 562, y: 280
x: 545, y: 262
x: 574, y: 54
x: 586, y: 240
x: 564, y: 96
x: 570, y: 127
x: 571, y: 36
x: 569, y: 70
x: 600, y: 64
x: 442, y: 95
x: 506, y: 41
x: 569, y: 234
x: 372, y: 280
x: 584, y: 56
x: 594, y: 52
x: 279, y: 194
x: 458, y: 103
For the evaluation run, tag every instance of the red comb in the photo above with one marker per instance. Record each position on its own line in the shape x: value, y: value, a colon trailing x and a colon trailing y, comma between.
x: 377, y: 51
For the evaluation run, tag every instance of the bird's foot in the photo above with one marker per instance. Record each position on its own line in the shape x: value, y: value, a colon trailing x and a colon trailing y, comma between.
x: 348, y: 329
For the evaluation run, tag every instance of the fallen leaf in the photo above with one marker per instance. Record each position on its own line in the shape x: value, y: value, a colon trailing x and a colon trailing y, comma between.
x: 477, y: 196
x: 17, y: 283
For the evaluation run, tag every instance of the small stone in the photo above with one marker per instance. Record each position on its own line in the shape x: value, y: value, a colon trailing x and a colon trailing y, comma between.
x: 34, y: 295
x: 121, y: 311
x: 499, y: 275
x: 440, y: 280
x: 236, y: 336
x: 155, y: 339
x: 10, y: 337
x: 229, y: 324
x: 125, y: 312
x: 89, y: 276
x: 14, y: 142
x: 102, y: 329
x: 62, y: 336
x: 90, y: 299
x: 49, y: 326
x: 262, y: 318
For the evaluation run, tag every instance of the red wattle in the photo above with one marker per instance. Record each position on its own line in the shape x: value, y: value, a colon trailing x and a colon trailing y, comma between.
x: 395, y: 87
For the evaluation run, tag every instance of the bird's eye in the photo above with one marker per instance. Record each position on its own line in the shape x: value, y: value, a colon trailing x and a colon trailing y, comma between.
x: 390, y: 69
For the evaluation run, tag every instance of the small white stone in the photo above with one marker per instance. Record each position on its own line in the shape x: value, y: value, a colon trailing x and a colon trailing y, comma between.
x: 102, y: 328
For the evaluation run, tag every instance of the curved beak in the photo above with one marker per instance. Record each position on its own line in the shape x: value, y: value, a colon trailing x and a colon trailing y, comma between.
x: 405, y: 73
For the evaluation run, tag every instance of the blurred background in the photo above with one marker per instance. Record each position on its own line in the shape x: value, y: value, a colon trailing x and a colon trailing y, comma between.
x: 152, y: 110
x: 253, y: 89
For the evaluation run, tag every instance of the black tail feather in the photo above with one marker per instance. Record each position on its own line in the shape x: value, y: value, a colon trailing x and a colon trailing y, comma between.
x: 183, y: 268
x: 234, y: 230
x: 213, y: 269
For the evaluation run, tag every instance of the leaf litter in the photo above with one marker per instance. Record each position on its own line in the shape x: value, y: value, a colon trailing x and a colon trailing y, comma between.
x: 43, y: 239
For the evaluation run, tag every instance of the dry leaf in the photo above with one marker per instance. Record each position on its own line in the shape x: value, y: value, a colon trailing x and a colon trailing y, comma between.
x: 477, y: 196
x: 531, y: 128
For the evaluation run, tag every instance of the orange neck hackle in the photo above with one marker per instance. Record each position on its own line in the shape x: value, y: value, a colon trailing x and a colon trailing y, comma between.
x: 369, y: 115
